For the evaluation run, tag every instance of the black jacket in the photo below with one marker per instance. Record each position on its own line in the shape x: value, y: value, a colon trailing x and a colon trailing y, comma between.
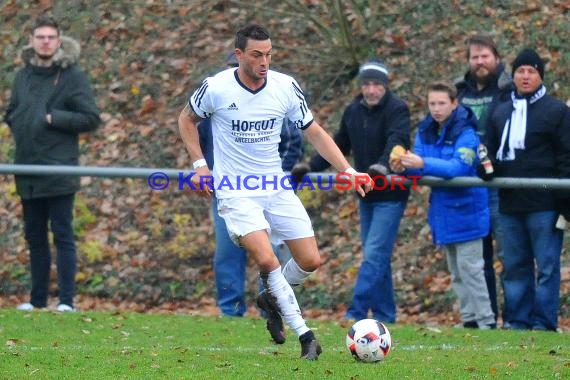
x: 483, y: 102
x: 371, y: 133
x: 63, y: 91
x: 546, y: 155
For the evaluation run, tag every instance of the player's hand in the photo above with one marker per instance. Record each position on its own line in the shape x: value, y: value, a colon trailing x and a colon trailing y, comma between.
x: 362, y: 183
x: 299, y: 171
x: 202, y: 181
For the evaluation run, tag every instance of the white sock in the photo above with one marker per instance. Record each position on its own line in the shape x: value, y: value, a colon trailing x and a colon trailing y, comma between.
x: 294, y: 274
x: 280, y: 289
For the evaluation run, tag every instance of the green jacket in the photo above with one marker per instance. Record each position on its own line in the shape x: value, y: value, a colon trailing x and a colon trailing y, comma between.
x: 63, y: 91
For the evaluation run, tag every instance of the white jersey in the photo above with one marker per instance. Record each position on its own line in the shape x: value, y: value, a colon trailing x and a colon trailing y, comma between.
x: 246, y: 128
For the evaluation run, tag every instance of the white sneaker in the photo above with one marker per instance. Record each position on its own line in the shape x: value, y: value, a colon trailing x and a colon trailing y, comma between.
x: 65, y: 308
x: 25, y: 307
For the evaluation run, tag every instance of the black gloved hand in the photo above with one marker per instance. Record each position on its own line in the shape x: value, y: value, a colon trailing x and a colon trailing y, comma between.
x: 481, y: 173
x: 299, y: 171
x: 377, y: 169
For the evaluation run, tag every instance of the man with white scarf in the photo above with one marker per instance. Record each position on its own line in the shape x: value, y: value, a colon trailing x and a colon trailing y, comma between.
x: 529, y: 137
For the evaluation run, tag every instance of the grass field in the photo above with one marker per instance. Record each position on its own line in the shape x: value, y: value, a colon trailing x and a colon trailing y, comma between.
x: 48, y: 345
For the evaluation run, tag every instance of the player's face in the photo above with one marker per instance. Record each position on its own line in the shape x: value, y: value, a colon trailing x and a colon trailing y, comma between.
x: 482, y: 62
x: 440, y: 105
x: 45, y: 42
x: 372, y: 92
x: 255, y: 59
x: 527, y: 79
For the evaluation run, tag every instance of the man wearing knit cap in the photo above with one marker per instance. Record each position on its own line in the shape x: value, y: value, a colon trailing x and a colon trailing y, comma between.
x: 372, y: 125
x: 529, y: 137
x: 529, y: 57
x: 373, y: 71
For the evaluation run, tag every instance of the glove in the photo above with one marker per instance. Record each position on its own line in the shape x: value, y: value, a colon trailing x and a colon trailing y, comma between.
x: 299, y: 171
x: 481, y: 173
x: 377, y: 169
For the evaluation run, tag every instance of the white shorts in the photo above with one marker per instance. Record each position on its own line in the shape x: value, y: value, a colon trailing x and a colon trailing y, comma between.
x: 281, y: 214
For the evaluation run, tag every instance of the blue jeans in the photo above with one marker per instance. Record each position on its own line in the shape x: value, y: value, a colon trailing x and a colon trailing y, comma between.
x: 230, y: 262
x: 532, y: 247
x: 379, y: 223
x: 58, y: 212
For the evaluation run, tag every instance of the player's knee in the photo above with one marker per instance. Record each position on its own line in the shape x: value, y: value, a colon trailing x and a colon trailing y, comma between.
x: 311, y: 264
x: 267, y: 264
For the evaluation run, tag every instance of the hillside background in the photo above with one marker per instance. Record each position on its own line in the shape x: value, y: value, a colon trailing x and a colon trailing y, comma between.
x: 151, y: 251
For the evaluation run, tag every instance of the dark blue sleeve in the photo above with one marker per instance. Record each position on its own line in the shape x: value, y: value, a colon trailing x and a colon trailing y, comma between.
x: 291, y: 146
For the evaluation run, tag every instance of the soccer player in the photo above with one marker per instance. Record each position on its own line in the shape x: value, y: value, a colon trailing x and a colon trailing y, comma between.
x: 247, y: 106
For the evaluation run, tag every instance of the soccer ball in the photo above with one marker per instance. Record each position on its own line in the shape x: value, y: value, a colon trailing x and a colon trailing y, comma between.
x: 369, y: 341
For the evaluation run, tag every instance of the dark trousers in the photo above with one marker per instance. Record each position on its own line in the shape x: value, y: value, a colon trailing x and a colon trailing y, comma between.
x: 489, y: 269
x: 531, y: 278
x: 489, y: 252
x: 58, y: 211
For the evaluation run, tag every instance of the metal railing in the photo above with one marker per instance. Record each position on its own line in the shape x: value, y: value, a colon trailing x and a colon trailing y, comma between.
x: 176, y: 174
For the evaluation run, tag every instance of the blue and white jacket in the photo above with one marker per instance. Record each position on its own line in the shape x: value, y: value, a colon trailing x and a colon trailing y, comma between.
x: 456, y: 214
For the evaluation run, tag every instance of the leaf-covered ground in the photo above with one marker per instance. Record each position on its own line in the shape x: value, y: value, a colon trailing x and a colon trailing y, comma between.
x: 146, y: 250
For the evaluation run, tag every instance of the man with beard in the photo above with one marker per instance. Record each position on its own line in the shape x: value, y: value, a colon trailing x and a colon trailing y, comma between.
x: 50, y: 105
x: 483, y: 87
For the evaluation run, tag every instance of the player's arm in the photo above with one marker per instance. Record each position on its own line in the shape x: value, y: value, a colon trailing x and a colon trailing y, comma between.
x: 326, y: 147
x: 187, y: 126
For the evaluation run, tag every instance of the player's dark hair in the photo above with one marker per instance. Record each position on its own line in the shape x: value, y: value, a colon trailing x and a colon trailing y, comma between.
x: 481, y: 40
x: 253, y: 32
x: 43, y: 21
x: 442, y: 86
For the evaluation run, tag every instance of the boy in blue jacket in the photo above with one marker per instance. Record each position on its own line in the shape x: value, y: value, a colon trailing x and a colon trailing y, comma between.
x: 446, y: 146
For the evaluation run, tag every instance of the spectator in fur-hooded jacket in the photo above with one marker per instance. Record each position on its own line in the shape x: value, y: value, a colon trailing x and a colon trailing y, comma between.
x: 51, y: 104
